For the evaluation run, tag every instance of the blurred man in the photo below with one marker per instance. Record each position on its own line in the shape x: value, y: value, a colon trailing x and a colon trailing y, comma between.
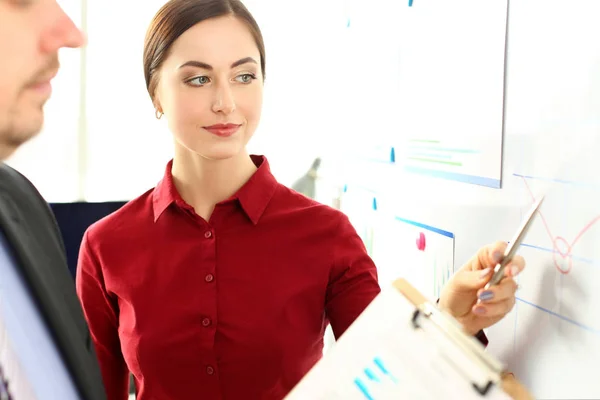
x: 31, y: 33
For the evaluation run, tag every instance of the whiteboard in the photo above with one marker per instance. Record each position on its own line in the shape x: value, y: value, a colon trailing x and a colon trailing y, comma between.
x: 551, y: 143
x: 552, y: 337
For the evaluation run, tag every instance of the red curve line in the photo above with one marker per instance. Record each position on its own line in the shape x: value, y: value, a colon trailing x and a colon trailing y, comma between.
x: 556, y: 239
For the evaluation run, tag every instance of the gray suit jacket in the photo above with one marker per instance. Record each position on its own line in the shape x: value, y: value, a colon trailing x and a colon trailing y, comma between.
x: 30, y: 227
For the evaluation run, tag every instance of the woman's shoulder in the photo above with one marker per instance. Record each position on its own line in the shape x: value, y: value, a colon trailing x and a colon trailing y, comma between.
x: 125, y: 221
x: 297, y: 203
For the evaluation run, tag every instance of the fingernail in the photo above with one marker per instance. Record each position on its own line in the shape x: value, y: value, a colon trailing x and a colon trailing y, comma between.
x: 497, y: 256
x: 479, y: 311
x: 485, y: 272
x: 514, y: 270
x: 487, y: 295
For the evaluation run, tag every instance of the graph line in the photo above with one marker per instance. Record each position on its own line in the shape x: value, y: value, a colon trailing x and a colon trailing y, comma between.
x: 559, y: 316
x: 576, y: 258
x: 561, y: 181
x: 445, y: 149
x: 430, y: 160
x: 557, y: 241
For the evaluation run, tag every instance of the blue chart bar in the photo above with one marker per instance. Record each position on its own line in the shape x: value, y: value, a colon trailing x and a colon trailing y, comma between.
x: 363, y: 388
x: 383, y: 369
x: 373, y: 376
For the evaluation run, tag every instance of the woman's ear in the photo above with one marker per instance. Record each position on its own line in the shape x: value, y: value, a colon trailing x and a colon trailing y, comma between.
x: 158, y: 111
x: 156, y: 103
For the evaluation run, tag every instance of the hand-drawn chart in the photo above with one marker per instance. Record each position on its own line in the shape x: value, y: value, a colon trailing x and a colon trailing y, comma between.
x: 554, y: 347
x: 562, y: 250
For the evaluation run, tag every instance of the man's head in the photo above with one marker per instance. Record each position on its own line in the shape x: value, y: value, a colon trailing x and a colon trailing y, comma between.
x: 31, y: 33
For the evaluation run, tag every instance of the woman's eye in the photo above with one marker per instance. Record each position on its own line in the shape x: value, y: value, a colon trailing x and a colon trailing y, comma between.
x: 245, y: 78
x: 198, y: 81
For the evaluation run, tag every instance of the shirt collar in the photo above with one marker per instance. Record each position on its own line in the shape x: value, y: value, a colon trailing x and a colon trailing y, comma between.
x: 253, y: 196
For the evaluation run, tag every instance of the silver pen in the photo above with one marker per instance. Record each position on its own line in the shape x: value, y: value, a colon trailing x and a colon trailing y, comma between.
x: 513, y: 246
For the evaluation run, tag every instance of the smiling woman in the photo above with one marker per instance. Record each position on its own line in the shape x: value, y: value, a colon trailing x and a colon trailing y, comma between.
x: 182, y: 72
x: 201, y: 296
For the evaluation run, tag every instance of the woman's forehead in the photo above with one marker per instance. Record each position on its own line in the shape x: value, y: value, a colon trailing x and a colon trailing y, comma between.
x: 221, y: 40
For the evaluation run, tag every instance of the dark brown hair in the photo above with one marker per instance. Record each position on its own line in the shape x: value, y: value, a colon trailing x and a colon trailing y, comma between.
x: 176, y: 17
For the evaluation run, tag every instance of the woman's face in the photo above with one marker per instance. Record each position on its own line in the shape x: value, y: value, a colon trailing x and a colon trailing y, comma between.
x: 210, y: 88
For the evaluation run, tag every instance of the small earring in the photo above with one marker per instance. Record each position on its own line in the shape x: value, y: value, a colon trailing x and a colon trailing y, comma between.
x: 158, y: 114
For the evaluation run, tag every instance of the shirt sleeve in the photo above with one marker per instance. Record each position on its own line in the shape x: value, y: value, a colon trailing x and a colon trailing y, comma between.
x: 353, y: 279
x: 101, y: 313
x: 482, y: 338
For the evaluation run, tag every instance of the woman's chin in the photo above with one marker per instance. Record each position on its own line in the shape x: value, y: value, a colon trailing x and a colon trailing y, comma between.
x: 218, y: 154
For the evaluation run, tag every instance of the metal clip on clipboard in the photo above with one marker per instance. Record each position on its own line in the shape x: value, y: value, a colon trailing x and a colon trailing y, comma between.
x: 485, y: 371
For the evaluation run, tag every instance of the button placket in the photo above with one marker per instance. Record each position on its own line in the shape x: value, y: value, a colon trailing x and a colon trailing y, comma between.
x: 209, y: 277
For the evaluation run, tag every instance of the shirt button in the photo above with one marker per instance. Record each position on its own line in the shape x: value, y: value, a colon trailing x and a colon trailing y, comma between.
x: 209, y: 278
x: 208, y: 234
x: 210, y: 370
x: 206, y: 322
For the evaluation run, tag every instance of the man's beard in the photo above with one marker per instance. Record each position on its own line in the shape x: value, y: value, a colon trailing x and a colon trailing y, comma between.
x: 18, y: 129
x: 13, y: 135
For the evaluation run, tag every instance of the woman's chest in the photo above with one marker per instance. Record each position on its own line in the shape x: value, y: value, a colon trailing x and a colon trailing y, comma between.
x: 245, y: 298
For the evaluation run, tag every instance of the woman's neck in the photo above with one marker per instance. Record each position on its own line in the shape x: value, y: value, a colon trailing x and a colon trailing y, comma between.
x: 202, y: 183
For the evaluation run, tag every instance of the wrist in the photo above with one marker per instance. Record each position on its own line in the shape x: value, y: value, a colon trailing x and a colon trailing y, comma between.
x: 473, y: 331
x: 469, y: 327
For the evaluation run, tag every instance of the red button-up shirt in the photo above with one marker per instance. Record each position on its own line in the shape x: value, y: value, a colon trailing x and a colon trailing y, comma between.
x: 231, y: 308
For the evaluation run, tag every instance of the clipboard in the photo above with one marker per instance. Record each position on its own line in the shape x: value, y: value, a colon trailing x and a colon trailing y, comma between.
x: 492, y: 369
x: 403, y: 346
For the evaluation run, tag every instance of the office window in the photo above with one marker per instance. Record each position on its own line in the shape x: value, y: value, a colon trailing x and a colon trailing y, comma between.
x: 127, y: 148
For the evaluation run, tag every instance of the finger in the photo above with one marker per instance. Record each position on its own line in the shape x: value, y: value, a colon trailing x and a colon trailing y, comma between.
x: 491, y: 310
x: 488, y: 256
x: 495, y: 253
x: 514, y: 268
x: 471, y: 280
x: 500, y: 292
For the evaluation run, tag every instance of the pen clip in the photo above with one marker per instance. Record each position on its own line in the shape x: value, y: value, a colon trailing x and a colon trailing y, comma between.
x: 490, y: 368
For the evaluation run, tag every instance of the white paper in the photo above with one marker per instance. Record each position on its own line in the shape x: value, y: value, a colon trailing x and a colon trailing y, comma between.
x: 381, y: 356
x: 451, y: 89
